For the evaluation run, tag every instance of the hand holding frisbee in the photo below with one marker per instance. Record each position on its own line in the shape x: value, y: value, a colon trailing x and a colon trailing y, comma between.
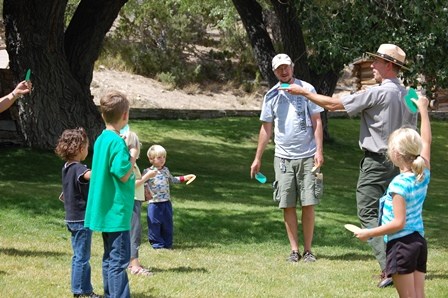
x: 359, y: 233
x: 409, y: 100
x: 28, y: 75
x: 352, y: 228
x: 190, y: 178
x: 260, y: 178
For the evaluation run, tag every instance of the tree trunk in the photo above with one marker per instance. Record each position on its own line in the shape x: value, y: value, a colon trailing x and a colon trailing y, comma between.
x: 85, y: 34
x: 325, y: 84
x: 251, y: 14
x: 292, y: 37
x: 61, y: 73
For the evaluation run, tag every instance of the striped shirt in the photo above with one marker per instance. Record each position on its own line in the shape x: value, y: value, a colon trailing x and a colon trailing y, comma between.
x: 414, y: 193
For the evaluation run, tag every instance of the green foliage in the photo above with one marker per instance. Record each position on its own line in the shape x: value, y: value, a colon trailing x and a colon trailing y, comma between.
x: 167, y: 78
x: 191, y: 40
x: 338, y: 31
x: 70, y: 10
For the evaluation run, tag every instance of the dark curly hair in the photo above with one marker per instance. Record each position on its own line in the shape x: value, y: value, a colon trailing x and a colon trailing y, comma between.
x: 71, y: 142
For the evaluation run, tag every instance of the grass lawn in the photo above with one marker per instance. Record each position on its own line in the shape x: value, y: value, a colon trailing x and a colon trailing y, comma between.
x: 230, y: 239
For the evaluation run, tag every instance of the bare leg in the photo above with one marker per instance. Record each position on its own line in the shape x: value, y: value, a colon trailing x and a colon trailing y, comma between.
x: 290, y: 218
x: 419, y: 284
x: 308, y: 226
x: 404, y: 283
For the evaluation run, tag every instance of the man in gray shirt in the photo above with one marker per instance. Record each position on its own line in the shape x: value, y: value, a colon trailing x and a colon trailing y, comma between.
x: 382, y: 110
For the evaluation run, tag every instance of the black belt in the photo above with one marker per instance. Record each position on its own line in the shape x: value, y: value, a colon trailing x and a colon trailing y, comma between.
x: 374, y: 154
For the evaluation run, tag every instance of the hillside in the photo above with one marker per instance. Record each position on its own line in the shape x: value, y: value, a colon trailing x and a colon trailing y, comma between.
x: 144, y: 92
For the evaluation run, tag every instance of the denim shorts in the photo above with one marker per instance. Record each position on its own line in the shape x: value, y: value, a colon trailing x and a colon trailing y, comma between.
x: 295, y: 183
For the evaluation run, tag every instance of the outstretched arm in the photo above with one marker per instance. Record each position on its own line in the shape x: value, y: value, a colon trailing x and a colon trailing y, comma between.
x: 8, y: 100
x: 326, y: 102
x: 425, y: 129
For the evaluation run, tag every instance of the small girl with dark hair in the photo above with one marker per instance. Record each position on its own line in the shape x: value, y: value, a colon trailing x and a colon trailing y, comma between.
x: 73, y: 146
x: 401, y: 207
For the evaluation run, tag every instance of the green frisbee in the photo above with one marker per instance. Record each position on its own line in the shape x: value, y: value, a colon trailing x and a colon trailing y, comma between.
x: 28, y: 75
x: 412, y: 94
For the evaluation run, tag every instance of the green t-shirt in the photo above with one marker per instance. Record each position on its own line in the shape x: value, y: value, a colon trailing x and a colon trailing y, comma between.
x: 110, y: 201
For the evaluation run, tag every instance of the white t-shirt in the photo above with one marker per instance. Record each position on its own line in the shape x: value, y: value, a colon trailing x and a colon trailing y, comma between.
x: 291, y: 116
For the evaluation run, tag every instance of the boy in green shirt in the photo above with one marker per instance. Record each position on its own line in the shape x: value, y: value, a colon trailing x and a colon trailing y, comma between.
x: 111, y: 194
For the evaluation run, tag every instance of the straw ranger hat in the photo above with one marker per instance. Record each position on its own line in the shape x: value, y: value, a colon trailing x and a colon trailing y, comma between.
x: 391, y: 53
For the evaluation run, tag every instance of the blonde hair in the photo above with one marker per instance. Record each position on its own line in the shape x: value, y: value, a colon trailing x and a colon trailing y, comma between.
x: 407, y: 143
x: 113, y: 104
x: 155, y: 151
x: 132, y: 141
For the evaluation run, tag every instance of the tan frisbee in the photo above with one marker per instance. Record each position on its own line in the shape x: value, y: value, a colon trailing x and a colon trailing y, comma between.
x: 352, y: 228
x: 191, y: 180
x: 314, y: 169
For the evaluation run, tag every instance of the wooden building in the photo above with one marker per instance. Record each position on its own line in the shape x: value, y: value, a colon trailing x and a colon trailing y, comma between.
x: 362, y: 74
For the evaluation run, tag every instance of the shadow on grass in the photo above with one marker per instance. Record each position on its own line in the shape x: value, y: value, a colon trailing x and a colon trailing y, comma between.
x: 145, y: 295
x: 181, y: 270
x: 215, y: 227
x: 347, y: 257
x: 432, y: 275
x: 30, y: 253
x: 220, y: 152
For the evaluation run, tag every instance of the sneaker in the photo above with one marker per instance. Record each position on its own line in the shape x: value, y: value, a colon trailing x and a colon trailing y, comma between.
x: 294, y: 257
x: 385, y: 281
x: 91, y: 295
x: 309, y: 257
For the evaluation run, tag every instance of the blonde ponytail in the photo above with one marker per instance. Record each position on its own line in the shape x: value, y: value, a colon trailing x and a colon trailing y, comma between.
x: 408, y: 144
x: 418, y: 165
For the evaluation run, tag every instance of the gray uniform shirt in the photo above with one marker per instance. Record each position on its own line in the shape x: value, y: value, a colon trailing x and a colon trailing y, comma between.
x: 383, y: 110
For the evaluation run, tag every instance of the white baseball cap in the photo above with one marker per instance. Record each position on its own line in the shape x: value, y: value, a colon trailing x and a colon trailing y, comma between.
x: 280, y: 59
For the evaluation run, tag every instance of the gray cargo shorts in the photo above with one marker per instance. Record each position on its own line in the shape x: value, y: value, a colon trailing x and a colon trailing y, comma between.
x: 294, y: 183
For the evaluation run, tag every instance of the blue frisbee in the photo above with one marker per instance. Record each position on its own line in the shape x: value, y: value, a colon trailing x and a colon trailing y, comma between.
x: 260, y: 177
x: 124, y: 130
